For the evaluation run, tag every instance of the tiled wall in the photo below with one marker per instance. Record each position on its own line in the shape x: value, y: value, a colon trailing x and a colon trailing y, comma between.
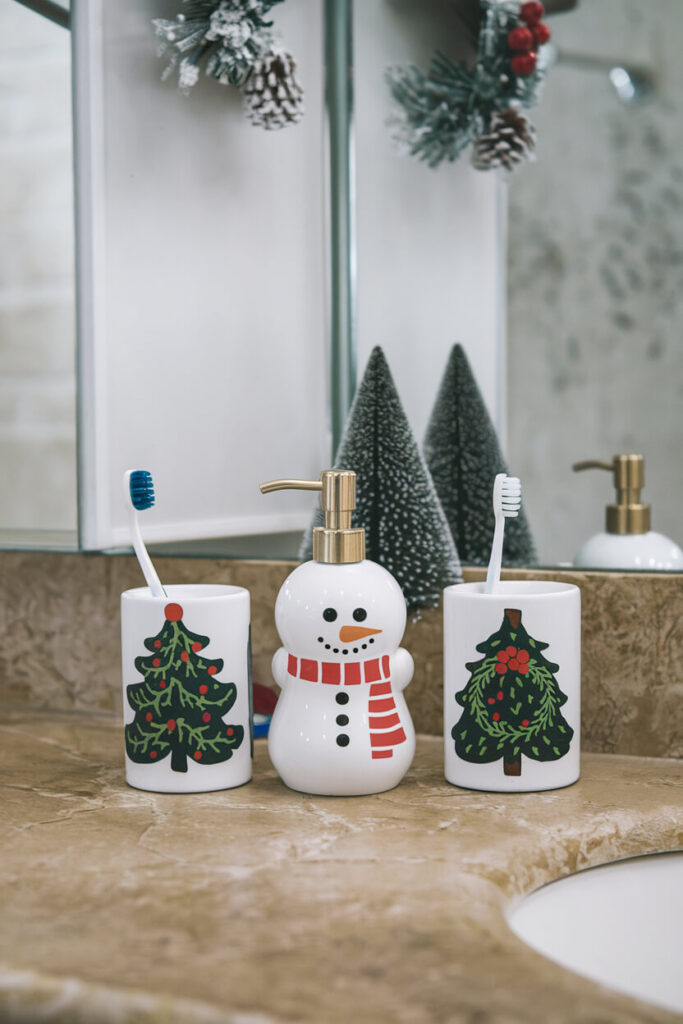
x: 59, y: 624
x: 37, y: 331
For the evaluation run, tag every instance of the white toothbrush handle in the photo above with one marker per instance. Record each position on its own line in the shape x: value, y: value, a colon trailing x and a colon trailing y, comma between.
x: 493, y: 574
x: 148, y: 570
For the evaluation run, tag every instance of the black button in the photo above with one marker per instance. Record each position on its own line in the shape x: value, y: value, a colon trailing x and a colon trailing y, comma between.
x: 329, y: 615
x: 360, y: 614
x: 342, y: 719
x: 342, y: 698
x: 342, y: 740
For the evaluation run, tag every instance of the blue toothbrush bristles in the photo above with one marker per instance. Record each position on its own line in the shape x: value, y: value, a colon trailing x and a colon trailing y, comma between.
x: 141, y: 489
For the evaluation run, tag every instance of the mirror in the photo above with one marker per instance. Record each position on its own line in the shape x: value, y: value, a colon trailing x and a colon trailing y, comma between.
x: 562, y: 282
x: 38, y: 503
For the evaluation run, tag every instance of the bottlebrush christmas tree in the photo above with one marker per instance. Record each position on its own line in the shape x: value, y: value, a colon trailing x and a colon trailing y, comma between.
x: 405, y: 527
x: 512, y: 702
x: 179, y: 706
x: 462, y: 452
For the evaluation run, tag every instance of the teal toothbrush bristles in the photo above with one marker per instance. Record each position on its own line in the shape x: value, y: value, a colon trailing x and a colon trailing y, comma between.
x: 141, y: 489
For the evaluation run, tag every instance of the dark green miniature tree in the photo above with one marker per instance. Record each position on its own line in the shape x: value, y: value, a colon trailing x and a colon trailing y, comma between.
x: 179, y: 706
x: 512, y: 702
x: 463, y: 455
x: 405, y: 527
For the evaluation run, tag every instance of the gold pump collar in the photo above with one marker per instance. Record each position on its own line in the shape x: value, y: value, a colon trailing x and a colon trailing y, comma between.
x: 336, y: 542
x: 629, y: 514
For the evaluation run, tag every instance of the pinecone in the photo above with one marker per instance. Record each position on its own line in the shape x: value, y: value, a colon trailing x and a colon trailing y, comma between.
x: 510, y: 140
x: 272, y: 96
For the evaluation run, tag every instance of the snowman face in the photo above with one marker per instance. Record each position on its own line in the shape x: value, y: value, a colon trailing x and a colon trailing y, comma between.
x: 340, y: 612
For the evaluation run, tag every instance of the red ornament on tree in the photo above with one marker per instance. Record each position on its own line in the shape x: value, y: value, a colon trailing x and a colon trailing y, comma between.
x: 532, y: 12
x: 196, y: 646
x: 197, y: 755
x: 149, y: 716
x: 184, y: 656
x: 153, y: 754
x: 173, y: 612
x: 491, y: 700
x: 203, y: 688
x: 162, y: 684
x: 157, y: 643
x: 170, y: 725
x: 525, y: 722
x: 156, y: 662
x: 229, y: 731
x: 541, y: 33
x: 523, y: 63
x: 206, y: 717
x: 212, y: 670
x: 521, y: 39
x: 496, y: 717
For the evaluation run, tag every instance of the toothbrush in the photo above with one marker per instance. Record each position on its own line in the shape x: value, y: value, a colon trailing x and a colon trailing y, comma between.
x: 138, y: 488
x: 507, y: 500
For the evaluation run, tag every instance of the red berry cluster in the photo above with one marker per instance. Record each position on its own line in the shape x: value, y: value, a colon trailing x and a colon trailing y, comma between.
x: 524, y: 39
x: 513, y: 659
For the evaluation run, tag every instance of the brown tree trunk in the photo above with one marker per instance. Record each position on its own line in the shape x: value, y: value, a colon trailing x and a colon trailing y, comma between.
x: 512, y: 767
x: 514, y: 617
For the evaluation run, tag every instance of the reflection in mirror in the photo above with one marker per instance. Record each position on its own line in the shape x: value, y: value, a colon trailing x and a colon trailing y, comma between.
x: 595, y: 273
x: 37, y: 318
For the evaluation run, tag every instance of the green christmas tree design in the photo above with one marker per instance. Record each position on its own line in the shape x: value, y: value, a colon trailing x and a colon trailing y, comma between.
x: 463, y: 455
x: 512, y: 702
x: 179, y: 706
x: 405, y: 527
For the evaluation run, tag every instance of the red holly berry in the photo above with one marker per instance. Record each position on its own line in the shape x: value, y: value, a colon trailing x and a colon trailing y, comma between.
x: 162, y: 684
x: 148, y: 716
x: 523, y: 669
x: 513, y: 664
x: 152, y: 754
x: 503, y: 656
x: 532, y: 12
x: 229, y: 731
x: 511, y: 651
x: 157, y: 643
x: 196, y: 646
x: 541, y: 33
x: 184, y: 656
x: 170, y: 725
x: 206, y: 717
x: 522, y: 656
x: 523, y: 63
x: 499, y: 695
x: 491, y: 700
x: 173, y: 612
x: 156, y: 662
x: 496, y: 716
x: 197, y: 755
x: 212, y: 670
x: 521, y: 39
x: 501, y: 668
x: 525, y: 722
x: 203, y: 688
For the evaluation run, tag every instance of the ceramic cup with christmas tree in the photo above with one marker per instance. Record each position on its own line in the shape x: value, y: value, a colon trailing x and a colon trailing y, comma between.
x: 186, y: 688
x: 512, y: 685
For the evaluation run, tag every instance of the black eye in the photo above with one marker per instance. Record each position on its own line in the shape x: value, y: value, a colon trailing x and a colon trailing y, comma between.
x: 329, y: 615
x: 360, y: 614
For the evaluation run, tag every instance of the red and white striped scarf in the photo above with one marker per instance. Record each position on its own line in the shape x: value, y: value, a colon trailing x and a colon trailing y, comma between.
x: 386, y: 731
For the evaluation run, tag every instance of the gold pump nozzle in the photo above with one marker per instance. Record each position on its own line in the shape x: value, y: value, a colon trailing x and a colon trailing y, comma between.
x: 335, y: 542
x: 629, y: 514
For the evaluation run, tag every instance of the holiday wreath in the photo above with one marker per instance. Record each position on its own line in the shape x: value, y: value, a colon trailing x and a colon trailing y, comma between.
x: 439, y: 114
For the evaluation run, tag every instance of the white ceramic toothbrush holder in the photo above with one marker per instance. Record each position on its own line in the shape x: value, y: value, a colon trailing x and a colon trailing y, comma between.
x: 186, y: 688
x: 512, y: 685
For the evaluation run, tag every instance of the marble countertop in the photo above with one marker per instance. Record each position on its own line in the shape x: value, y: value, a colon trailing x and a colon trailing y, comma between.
x: 262, y: 905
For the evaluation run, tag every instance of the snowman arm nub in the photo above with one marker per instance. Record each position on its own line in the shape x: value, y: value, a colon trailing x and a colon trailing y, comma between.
x: 402, y: 667
x: 279, y: 667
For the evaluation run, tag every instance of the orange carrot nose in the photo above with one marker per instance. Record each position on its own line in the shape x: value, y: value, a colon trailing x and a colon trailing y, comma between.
x: 347, y: 634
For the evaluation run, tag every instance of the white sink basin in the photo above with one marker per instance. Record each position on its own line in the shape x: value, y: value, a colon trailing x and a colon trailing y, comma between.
x: 620, y: 924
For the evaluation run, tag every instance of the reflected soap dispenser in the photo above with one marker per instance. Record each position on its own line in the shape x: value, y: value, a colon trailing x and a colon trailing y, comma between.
x: 628, y: 542
x: 341, y: 726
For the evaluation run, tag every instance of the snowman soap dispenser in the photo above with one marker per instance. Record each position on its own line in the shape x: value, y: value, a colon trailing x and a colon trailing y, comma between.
x: 341, y: 726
